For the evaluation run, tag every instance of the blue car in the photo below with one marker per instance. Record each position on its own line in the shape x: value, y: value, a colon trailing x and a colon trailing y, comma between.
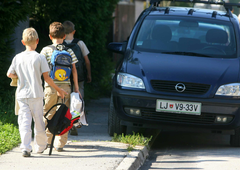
x: 180, y: 70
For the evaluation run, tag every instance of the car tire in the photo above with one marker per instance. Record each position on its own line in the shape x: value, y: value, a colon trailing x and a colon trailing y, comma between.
x: 114, y: 125
x: 235, y: 139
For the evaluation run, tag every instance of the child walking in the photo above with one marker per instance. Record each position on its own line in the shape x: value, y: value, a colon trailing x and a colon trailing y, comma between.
x: 70, y: 31
x: 28, y: 66
x: 69, y: 28
x: 57, y: 35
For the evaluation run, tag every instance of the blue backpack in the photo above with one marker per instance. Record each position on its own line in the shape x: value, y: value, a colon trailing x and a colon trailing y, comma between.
x: 61, y: 63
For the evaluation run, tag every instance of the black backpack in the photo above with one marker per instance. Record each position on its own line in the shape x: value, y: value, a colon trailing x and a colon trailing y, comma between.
x: 80, y: 65
x: 60, y: 122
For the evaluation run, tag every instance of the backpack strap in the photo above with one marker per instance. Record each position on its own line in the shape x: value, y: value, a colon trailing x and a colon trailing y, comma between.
x: 51, y: 145
x: 63, y: 102
x: 64, y: 42
x: 75, y: 40
x: 45, y: 116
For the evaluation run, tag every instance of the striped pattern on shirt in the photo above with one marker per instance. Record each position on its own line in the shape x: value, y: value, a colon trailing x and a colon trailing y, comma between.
x: 47, y: 52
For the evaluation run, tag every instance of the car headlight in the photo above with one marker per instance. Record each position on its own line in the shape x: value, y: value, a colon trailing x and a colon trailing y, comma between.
x: 229, y: 90
x: 128, y: 80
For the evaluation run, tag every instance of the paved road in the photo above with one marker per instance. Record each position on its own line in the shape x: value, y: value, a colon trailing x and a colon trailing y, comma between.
x: 185, y: 151
x: 90, y: 150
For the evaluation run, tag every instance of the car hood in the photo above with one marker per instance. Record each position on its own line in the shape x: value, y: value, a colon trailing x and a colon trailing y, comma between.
x: 182, y: 68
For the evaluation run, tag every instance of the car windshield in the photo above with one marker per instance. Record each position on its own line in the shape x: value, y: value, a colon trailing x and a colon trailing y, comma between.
x: 187, y: 36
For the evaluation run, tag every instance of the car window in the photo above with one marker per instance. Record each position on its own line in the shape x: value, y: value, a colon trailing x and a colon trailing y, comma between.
x: 187, y: 35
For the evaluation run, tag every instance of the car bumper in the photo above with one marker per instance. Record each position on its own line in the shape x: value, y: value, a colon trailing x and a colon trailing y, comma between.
x: 146, y: 102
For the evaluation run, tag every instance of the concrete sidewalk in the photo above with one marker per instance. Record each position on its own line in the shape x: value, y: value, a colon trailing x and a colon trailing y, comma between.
x: 90, y: 150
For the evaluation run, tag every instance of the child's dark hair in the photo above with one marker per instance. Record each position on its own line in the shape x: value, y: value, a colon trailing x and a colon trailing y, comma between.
x: 56, y: 30
x: 69, y: 27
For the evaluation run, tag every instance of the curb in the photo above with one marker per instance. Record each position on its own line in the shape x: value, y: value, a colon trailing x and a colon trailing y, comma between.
x: 134, y: 160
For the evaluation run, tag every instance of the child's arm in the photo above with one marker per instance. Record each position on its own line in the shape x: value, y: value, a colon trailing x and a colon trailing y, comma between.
x: 75, y: 79
x: 85, y: 53
x: 48, y: 79
x: 88, y: 66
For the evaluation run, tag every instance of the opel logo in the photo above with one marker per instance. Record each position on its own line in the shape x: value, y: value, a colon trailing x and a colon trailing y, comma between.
x: 180, y: 87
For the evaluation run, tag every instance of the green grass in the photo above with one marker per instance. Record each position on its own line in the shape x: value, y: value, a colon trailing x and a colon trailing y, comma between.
x: 9, y: 134
x: 9, y: 137
x: 132, y: 140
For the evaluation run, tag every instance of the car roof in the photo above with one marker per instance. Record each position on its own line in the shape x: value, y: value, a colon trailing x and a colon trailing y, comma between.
x: 190, y: 12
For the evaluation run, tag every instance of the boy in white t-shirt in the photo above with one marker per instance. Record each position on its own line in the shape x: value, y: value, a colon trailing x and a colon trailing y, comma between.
x: 69, y: 28
x: 28, y: 66
x: 70, y: 31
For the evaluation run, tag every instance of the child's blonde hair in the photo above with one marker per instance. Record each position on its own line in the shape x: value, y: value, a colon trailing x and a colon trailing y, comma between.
x: 29, y: 36
x: 68, y: 27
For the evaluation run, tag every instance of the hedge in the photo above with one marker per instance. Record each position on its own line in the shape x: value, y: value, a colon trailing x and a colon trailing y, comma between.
x: 92, y: 21
x: 8, y: 21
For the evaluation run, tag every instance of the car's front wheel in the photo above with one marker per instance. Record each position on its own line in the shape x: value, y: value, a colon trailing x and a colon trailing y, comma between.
x: 114, y: 125
x: 235, y: 139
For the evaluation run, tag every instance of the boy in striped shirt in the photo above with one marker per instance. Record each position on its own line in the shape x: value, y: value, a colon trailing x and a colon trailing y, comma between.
x: 57, y: 35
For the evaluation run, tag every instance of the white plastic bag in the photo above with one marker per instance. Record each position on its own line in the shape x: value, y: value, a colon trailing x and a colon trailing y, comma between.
x: 77, y: 104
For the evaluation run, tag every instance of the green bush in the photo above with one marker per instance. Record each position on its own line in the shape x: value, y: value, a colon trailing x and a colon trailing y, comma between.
x: 92, y: 21
x: 7, y: 105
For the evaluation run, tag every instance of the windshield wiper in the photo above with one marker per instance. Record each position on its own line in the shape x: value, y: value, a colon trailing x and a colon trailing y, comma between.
x: 186, y: 53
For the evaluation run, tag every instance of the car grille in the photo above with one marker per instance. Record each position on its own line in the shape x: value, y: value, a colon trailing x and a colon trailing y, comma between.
x: 169, y: 86
x: 204, y: 118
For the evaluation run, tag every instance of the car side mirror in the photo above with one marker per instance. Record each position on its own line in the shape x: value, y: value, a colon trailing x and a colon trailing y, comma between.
x: 117, y: 47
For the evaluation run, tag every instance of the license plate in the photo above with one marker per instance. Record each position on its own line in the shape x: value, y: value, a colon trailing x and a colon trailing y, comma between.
x: 178, y: 107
